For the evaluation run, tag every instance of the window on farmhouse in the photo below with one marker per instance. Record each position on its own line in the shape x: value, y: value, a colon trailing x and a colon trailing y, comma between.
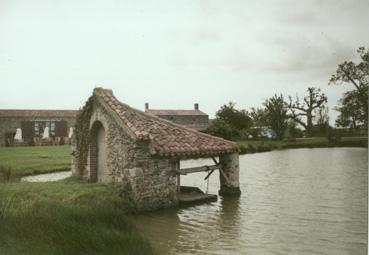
x: 41, y: 125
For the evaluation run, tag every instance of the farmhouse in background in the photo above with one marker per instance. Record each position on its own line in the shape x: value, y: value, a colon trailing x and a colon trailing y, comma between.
x: 116, y: 143
x: 194, y: 119
x: 26, y: 127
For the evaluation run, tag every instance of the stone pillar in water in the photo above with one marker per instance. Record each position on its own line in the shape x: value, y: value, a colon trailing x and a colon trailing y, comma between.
x: 229, y: 185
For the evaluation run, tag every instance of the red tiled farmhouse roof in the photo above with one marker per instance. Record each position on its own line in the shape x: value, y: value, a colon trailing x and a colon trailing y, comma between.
x: 167, y: 138
x: 38, y: 113
x: 158, y: 112
x: 198, y: 127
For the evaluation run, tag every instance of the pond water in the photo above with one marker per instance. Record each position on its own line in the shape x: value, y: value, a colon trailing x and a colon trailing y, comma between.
x: 303, y: 201
x: 50, y: 177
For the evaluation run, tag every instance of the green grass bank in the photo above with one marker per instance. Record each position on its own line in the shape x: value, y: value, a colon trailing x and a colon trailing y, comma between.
x: 254, y: 146
x: 31, y: 160
x: 67, y: 217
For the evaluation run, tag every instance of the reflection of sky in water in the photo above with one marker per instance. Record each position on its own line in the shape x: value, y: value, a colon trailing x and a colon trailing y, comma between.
x: 305, y: 201
x: 47, y: 177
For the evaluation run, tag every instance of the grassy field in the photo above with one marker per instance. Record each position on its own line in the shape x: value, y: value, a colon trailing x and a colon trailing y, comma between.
x: 67, y: 217
x: 35, y: 160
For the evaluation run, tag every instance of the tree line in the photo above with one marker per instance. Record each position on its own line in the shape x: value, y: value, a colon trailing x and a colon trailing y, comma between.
x: 294, y: 116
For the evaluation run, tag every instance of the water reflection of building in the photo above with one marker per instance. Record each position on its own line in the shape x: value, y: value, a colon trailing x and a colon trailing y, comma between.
x: 31, y: 125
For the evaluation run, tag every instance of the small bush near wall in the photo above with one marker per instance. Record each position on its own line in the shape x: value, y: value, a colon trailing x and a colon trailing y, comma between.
x: 82, y: 135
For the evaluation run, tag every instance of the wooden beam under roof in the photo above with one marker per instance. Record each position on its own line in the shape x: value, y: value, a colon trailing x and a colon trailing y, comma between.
x: 185, y: 171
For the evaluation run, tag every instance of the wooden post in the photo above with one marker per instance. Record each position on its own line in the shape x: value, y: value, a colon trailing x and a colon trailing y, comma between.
x: 178, y: 183
x: 224, y: 176
x: 178, y: 177
x: 197, y: 169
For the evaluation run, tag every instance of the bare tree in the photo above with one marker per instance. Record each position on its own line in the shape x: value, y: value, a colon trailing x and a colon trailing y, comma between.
x: 312, y: 102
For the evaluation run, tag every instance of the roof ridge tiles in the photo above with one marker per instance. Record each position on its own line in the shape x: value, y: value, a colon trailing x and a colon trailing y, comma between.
x: 164, y: 112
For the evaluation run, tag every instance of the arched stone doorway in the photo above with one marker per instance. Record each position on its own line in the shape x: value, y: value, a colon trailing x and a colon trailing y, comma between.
x: 98, y: 153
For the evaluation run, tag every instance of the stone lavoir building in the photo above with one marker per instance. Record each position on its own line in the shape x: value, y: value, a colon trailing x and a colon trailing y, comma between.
x: 32, y: 124
x: 116, y: 143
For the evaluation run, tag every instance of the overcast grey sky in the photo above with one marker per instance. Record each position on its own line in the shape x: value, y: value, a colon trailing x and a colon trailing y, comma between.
x: 174, y: 53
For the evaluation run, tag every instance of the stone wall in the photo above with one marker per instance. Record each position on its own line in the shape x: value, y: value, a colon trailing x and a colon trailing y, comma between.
x: 10, y: 124
x: 128, y: 161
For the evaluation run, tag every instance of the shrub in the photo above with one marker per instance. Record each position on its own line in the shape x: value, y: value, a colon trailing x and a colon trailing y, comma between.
x: 243, y: 149
x: 222, y: 129
x: 333, y: 135
x: 251, y: 148
x: 82, y: 135
x: 264, y: 147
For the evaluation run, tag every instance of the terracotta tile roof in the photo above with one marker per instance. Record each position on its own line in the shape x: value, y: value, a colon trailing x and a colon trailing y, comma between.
x: 158, y: 112
x: 167, y: 138
x: 38, y: 113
